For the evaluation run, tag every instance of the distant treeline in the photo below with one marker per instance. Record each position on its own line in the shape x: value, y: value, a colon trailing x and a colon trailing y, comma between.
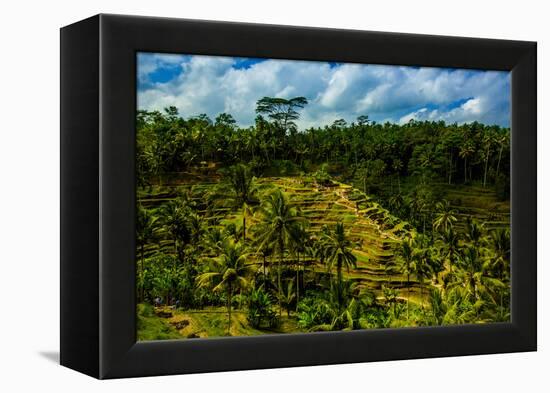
x: 427, y: 150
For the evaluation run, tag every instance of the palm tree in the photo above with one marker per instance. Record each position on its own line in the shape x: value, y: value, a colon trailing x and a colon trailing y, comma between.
x: 450, y: 246
x: 421, y: 269
x: 339, y: 253
x: 499, y: 263
x: 445, y: 216
x: 438, y: 306
x: 288, y: 295
x: 397, y: 165
x: 196, y: 227
x: 174, y: 217
x: 475, y: 232
x: 146, y: 230
x: 473, y: 278
x: 503, y: 141
x: 500, y: 260
x: 406, y: 257
x: 239, y: 191
x: 229, y: 273
x: 265, y: 252
x: 390, y: 297
x: 466, y: 151
x: 278, y: 228
x: 214, y: 239
x: 299, y: 247
x: 488, y: 141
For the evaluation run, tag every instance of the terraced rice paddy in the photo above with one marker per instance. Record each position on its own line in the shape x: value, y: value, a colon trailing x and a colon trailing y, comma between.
x: 373, y: 231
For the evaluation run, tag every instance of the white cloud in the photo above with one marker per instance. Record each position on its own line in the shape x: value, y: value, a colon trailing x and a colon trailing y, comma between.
x: 213, y: 85
x: 149, y: 62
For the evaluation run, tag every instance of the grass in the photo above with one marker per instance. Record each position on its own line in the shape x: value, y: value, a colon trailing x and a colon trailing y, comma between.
x: 151, y: 327
x: 209, y: 322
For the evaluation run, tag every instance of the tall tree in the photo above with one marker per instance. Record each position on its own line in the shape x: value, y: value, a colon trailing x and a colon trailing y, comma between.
x: 174, y: 216
x: 363, y: 120
x: 449, y: 246
x: 406, y: 258
x: 146, y: 231
x: 227, y: 273
x: 445, y: 216
x: 282, y: 111
x: 278, y: 228
x: 339, y: 252
x: 239, y: 190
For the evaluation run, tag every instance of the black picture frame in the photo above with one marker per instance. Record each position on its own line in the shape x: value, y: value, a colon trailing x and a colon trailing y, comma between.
x: 98, y: 95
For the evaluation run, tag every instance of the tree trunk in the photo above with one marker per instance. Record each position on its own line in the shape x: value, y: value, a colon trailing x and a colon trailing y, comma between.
x: 408, y: 290
x: 265, y: 278
x: 297, y: 281
x: 279, y: 281
x: 229, y: 305
x: 486, y: 165
x: 339, y: 284
x: 142, y: 274
x: 421, y: 295
x: 244, y: 226
x: 465, y: 173
x: 499, y: 157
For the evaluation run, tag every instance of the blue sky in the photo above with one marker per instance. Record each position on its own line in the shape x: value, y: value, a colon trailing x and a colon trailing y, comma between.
x: 214, y: 84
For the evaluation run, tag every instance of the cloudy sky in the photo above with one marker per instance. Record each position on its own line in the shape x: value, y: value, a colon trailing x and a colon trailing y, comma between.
x: 215, y: 84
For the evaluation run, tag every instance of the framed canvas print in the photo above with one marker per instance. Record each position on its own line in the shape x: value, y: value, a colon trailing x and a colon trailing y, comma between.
x: 296, y: 196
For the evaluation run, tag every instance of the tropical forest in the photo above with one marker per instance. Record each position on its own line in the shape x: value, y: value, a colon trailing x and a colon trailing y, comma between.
x: 272, y: 228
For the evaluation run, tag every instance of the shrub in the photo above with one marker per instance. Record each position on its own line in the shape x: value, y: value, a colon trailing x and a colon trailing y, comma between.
x: 314, y: 312
x: 322, y: 177
x: 260, y: 312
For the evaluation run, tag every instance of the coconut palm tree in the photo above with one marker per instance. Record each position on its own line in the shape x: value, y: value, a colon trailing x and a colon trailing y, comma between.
x: 450, y: 246
x: 279, y: 228
x: 405, y: 260
x: 466, y: 151
x: 214, y: 239
x: 500, y: 258
x: 174, y: 216
x: 488, y: 141
x: 298, y: 248
x: 239, y: 190
x: 445, y: 216
x: 339, y: 252
x: 420, y: 267
x: 227, y: 273
x: 146, y: 231
x: 475, y: 232
x: 473, y: 277
x: 438, y: 306
x: 288, y: 296
x: 503, y: 141
x: 397, y: 165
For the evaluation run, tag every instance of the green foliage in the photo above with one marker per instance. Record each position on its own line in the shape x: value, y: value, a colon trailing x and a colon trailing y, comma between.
x: 151, y: 328
x: 260, y: 309
x: 322, y: 177
x: 348, y: 226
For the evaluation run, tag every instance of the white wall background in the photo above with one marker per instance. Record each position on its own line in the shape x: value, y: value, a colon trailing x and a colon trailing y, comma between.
x: 29, y: 194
